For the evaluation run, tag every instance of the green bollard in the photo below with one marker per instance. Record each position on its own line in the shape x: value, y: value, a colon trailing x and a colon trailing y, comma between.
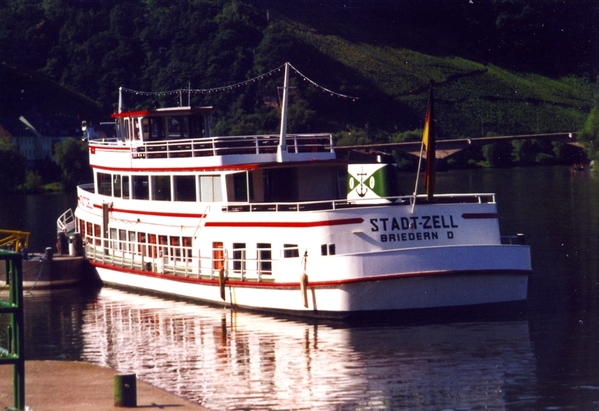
x: 125, y: 390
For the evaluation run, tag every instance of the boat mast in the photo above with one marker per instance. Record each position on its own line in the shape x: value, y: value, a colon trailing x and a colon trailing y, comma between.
x: 120, y: 100
x: 282, y: 148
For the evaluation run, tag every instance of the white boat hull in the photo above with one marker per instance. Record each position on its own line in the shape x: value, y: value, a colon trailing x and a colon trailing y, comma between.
x: 429, y: 278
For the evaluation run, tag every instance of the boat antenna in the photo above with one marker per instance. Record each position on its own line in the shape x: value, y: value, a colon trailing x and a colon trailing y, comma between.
x: 282, y: 148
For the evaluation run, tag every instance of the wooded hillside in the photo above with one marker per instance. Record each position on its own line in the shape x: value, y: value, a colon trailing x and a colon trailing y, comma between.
x: 500, y: 66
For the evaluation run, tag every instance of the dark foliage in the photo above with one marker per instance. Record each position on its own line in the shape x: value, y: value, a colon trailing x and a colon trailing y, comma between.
x: 95, y: 47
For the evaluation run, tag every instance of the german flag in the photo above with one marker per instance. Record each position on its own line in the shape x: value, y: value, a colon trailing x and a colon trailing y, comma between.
x: 428, y: 139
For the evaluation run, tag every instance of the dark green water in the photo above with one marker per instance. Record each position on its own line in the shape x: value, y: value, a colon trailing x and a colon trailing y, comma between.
x: 546, y: 358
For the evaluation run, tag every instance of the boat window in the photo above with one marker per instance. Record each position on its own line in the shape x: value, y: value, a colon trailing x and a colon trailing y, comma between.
x: 116, y: 185
x: 243, y: 187
x: 175, y: 248
x: 141, y: 243
x: 125, y: 186
x: 327, y: 249
x: 145, y: 127
x: 122, y: 239
x: 163, y: 246
x: 114, y: 243
x: 131, y: 241
x: 186, y: 248
x: 185, y: 188
x: 125, y: 135
x: 104, y: 184
x: 290, y: 251
x: 196, y: 126
x: 152, y: 251
x: 280, y: 185
x: 97, y: 234
x: 140, y: 187
x: 210, y: 188
x: 161, y: 188
x: 135, y: 130
x: 153, y: 128
x: 177, y: 127
x: 239, y: 258
x: 264, y: 258
x: 89, y: 232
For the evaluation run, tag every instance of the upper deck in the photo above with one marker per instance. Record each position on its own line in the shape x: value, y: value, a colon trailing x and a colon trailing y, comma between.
x: 179, y: 138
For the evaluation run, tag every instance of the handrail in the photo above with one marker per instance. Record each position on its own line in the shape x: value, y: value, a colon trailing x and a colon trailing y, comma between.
x: 228, y: 145
x: 14, y: 239
x: 345, y: 203
x: 66, y: 222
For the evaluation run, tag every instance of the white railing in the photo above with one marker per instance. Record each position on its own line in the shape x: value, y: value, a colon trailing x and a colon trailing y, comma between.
x: 478, y: 198
x: 66, y: 222
x: 219, y: 146
x: 179, y: 260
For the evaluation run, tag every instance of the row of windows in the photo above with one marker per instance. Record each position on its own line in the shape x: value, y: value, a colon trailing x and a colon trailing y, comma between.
x: 178, y: 248
x: 160, y: 188
x: 163, y: 127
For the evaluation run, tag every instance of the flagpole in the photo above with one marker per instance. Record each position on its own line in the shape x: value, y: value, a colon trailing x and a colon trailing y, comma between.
x: 417, y: 176
x: 428, y: 140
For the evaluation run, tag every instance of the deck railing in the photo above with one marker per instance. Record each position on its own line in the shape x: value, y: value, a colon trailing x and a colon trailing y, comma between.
x: 479, y: 198
x: 229, y: 145
x: 182, y: 261
x: 476, y: 198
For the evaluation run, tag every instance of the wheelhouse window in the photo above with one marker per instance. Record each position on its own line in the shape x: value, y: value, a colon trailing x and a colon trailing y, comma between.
x: 177, y: 127
x: 196, y: 126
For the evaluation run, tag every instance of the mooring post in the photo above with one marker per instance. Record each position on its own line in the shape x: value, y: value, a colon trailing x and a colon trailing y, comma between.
x: 125, y: 390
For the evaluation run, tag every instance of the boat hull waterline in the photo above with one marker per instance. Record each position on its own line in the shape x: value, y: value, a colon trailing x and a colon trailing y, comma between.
x: 497, y: 277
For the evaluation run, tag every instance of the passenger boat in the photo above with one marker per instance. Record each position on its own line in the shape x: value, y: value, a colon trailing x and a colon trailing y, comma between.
x: 278, y: 223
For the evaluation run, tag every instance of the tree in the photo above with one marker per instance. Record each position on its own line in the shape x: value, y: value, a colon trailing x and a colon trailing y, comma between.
x: 525, y: 151
x: 13, y: 166
x: 498, y: 154
x: 72, y: 157
x: 589, y: 136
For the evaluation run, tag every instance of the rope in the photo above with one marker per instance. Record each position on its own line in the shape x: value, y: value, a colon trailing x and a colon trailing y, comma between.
x: 235, y: 86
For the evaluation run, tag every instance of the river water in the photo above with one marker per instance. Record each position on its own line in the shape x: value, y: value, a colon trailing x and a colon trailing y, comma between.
x: 545, y: 357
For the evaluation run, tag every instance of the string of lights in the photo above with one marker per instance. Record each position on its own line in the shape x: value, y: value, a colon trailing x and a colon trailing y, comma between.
x: 236, y: 86
x: 324, y: 89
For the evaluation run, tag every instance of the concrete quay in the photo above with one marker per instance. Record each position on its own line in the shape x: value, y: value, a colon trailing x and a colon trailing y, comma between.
x: 79, y: 386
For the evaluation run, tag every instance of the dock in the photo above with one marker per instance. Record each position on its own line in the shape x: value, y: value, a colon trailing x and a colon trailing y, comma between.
x: 41, y: 272
x: 80, y: 386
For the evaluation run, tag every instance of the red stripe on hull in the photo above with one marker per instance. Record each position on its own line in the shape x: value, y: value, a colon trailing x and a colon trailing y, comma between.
x: 312, y: 284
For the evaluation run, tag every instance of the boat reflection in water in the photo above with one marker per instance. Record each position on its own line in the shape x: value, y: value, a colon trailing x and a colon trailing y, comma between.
x: 227, y: 360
